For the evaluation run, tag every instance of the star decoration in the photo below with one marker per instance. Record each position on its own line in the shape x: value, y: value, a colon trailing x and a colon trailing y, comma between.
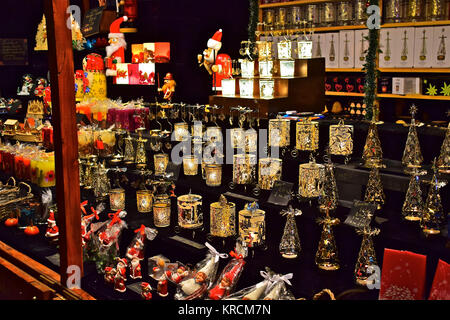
x: 431, y: 90
x: 445, y: 89
x: 413, y: 110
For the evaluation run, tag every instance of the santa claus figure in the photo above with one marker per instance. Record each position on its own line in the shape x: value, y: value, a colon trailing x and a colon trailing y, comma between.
x: 179, y: 275
x: 115, y: 52
x: 135, y: 269
x: 85, y: 223
x: 110, y: 274
x: 210, y: 54
x: 146, y: 291
x: 121, y: 275
x: 162, y: 287
x: 228, y: 279
x: 52, y: 229
x: 195, y: 287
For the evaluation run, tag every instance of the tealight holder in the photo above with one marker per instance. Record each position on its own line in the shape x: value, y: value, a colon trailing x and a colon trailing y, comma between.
x: 264, y: 50
x: 237, y: 138
x: 161, y: 161
x: 341, y: 139
x: 251, y: 140
x: 117, y: 199
x: 213, y: 174
x: 246, y: 88
x: 247, y: 68
x: 190, y: 215
x: 310, y: 178
x: 252, y: 225
x: 214, y: 134
x: 266, y: 89
x: 244, y: 168
x: 190, y: 165
x: 228, y: 87
x: 144, y: 200
x: 284, y: 49
x: 270, y: 170
x: 222, y: 218
x: 279, y: 132
x: 287, y: 68
x: 266, y: 68
x: 307, y: 135
x: 161, y: 211
x: 304, y: 49
x: 181, y: 131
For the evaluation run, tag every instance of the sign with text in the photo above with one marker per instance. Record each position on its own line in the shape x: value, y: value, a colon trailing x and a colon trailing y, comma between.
x: 281, y: 193
x: 361, y: 214
x: 13, y: 52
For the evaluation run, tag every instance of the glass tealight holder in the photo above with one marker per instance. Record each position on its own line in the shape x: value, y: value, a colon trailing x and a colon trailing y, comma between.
x: 265, y: 68
x: 307, y: 135
x: 181, y: 131
x: 190, y: 165
x: 252, y: 226
x: 246, y: 88
x: 161, y: 161
x: 190, y: 215
x: 304, y: 49
x: 284, y: 49
x: 222, y: 218
x: 270, y: 170
x: 287, y: 68
x: 161, y: 211
x: 213, y: 174
x: 310, y: 178
x: 214, y: 134
x: 244, y: 168
x: 247, y: 68
x: 144, y: 200
x: 266, y: 89
x: 117, y: 199
x: 237, y: 138
x: 279, y: 133
x: 251, y: 140
x: 228, y: 87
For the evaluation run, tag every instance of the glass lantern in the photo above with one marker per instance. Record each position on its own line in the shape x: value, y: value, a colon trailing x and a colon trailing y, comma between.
x: 247, y: 68
x: 269, y: 172
x: 223, y: 218
x: 144, y: 200
x: 279, y: 132
x: 161, y: 161
x: 213, y: 174
x: 341, y: 139
x: 307, y: 136
x: 246, y: 88
x: 284, y: 49
x: 237, y: 138
x: 252, y: 225
x: 265, y: 68
x: 117, y: 199
x: 266, y: 89
x: 181, y: 131
x: 287, y: 68
x: 310, y: 177
x: 161, y: 211
x: 214, y: 134
x: 190, y: 214
x: 190, y: 165
x: 229, y: 87
x: 244, y: 168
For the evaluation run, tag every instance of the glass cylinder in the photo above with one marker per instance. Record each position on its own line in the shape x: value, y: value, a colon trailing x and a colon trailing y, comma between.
x: 345, y: 12
x: 247, y: 68
x: 270, y: 170
x: 310, y: 177
x: 296, y: 17
x: 341, y: 139
x: 269, y: 19
x: 105, y: 142
x: 279, y: 132
x: 85, y: 142
x: 416, y: 10
x: 393, y: 11
x: 307, y: 136
x: 265, y: 68
x: 117, y: 199
x: 190, y: 165
x: 435, y: 10
x: 161, y: 161
x: 223, y: 218
x: 213, y: 175
x: 284, y: 49
x: 252, y: 226
x: 181, y: 131
x: 281, y: 19
x: 328, y: 17
x: 144, y: 200
x: 312, y: 15
x: 161, y: 211
x: 244, y: 168
x: 190, y: 215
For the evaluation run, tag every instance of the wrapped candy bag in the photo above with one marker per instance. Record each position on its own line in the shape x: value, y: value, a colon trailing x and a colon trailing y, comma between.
x: 86, y: 221
x: 135, y: 251
x: 228, y: 278
x: 277, y: 289
x: 255, y: 292
x: 195, y: 285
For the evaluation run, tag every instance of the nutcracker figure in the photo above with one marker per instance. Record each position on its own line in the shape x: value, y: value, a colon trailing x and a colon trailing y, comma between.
x: 115, y: 52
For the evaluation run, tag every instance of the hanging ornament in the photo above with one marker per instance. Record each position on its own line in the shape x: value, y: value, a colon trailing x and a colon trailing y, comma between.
x: 327, y: 253
x: 412, y: 156
x: 433, y: 218
x: 328, y: 196
x: 413, y: 206
x: 443, y: 162
x: 372, y: 153
x: 290, y: 242
x: 341, y: 139
x: 367, y: 259
x: 310, y: 178
x: 374, y: 190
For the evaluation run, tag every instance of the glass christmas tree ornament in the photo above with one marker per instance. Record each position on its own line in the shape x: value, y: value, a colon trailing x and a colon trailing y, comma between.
x: 244, y: 168
x: 190, y: 215
x: 328, y: 197
x: 252, y: 225
x: 341, y: 139
x: 433, y: 218
x: 181, y: 131
x: 190, y: 165
x: 310, y: 179
x: 443, y: 162
x: 223, y: 218
x: 413, y: 206
x: 327, y: 254
x: 213, y: 175
x: 367, y: 259
x: 229, y: 87
x: 129, y: 154
x: 117, y: 199
x: 279, y: 133
x: 161, y: 211
x: 144, y: 199
x: 374, y: 190
x: 412, y: 156
x: 161, y: 160
x: 141, y: 155
x: 290, y: 241
x: 372, y: 153
x: 307, y: 135
x: 270, y: 170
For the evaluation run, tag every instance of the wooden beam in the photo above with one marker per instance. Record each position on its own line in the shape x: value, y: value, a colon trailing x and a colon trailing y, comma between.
x: 86, y: 5
x: 61, y: 65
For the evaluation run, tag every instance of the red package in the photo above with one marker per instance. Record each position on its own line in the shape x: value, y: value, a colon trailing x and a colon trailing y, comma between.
x: 440, y: 290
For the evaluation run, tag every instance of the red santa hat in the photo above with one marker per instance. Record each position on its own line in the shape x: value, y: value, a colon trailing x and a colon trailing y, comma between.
x: 51, y: 217
x: 215, y: 42
x: 114, y: 28
x: 123, y: 261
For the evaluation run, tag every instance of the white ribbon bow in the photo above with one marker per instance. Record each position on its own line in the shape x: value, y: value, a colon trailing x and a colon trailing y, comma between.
x: 214, y: 252
x: 277, y: 278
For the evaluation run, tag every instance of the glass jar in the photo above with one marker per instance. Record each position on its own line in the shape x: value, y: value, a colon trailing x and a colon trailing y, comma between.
x: 393, y: 11
x: 213, y: 175
x: 270, y: 170
x: 361, y: 11
x: 435, y: 10
x: 269, y: 19
x: 190, y: 215
x: 312, y: 15
x: 117, y: 199
x: 144, y: 200
x: 416, y: 10
x: 161, y: 211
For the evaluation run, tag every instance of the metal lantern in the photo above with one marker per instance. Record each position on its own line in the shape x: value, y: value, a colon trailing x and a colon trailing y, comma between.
x: 161, y: 161
x: 341, y: 139
x: 181, y: 131
x: 223, y: 218
x: 117, y: 199
x: 237, y: 138
x: 141, y: 155
x: 269, y: 172
x: 307, y: 135
x: 144, y: 200
x: 279, y: 133
x: 244, y: 168
x: 214, y: 134
x: 246, y: 87
x: 213, y: 174
x: 190, y: 215
x: 190, y: 165
x: 161, y: 211
x: 252, y: 225
x: 310, y: 177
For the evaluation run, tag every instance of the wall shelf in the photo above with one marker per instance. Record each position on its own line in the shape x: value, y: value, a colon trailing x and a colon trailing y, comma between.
x: 344, y: 94
x: 389, y: 96
x: 394, y: 70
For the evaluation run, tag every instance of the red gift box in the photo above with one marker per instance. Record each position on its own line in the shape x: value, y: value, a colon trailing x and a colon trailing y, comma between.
x: 440, y: 290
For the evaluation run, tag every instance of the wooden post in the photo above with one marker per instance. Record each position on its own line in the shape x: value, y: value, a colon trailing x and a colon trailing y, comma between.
x: 60, y: 54
x: 85, y: 7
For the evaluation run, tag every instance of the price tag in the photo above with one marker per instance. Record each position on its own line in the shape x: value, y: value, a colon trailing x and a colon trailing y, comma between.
x: 361, y: 214
x: 281, y: 193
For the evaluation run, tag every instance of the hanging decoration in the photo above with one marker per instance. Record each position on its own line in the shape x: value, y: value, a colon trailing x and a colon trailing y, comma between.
x: 290, y: 242
x: 366, y: 258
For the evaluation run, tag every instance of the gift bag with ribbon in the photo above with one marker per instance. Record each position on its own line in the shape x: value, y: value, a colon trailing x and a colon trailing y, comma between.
x: 136, y: 247
x: 277, y: 290
x: 255, y: 292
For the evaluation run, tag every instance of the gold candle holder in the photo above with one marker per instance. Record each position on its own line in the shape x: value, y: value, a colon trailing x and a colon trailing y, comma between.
x: 190, y: 215
x: 161, y: 211
x: 213, y: 175
x: 251, y: 140
x: 237, y: 138
x: 214, y: 134
x: 310, y: 177
x: 341, y: 139
x: 117, y: 199
x: 181, y: 131
x: 144, y: 200
x: 190, y: 165
x: 161, y: 161
x: 269, y: 172
x: 279, y: 132
x: 223, y: 218
x: 141, y: 155
x: 244, y: 168
x: 307, y: 135
x: 252, y: 225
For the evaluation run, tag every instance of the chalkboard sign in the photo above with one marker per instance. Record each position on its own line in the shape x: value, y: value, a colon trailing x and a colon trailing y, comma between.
x: 281, y: 193
x: 13, y: 52
x: 91, y: 22
x: 361, y: 214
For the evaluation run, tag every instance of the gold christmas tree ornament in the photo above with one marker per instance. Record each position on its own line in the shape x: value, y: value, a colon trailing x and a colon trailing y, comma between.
x: 433, y: 218
x: 443, y: 162
x: 327, y: 253
x: 328, y: 197
x: 290, y: 242
x: 141, y: 155
x: 367, y: 259
x: 129, y: 154
x: 41, y: 36
x: 412, y: 156
x: 413, y: 206
x: 372, y: 153
x: 374, y: 190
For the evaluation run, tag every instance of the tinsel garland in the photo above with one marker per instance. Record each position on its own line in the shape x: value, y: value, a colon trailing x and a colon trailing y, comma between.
x: 370, y: 67
x: 253, y: 22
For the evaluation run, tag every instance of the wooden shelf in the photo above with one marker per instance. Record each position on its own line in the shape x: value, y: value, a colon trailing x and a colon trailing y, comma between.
x: 394, y: 70
x: 412, y: 96
x: 416, y: 24
x: 343, y: 70
x: 292, y: 3
x: 344, y: 94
